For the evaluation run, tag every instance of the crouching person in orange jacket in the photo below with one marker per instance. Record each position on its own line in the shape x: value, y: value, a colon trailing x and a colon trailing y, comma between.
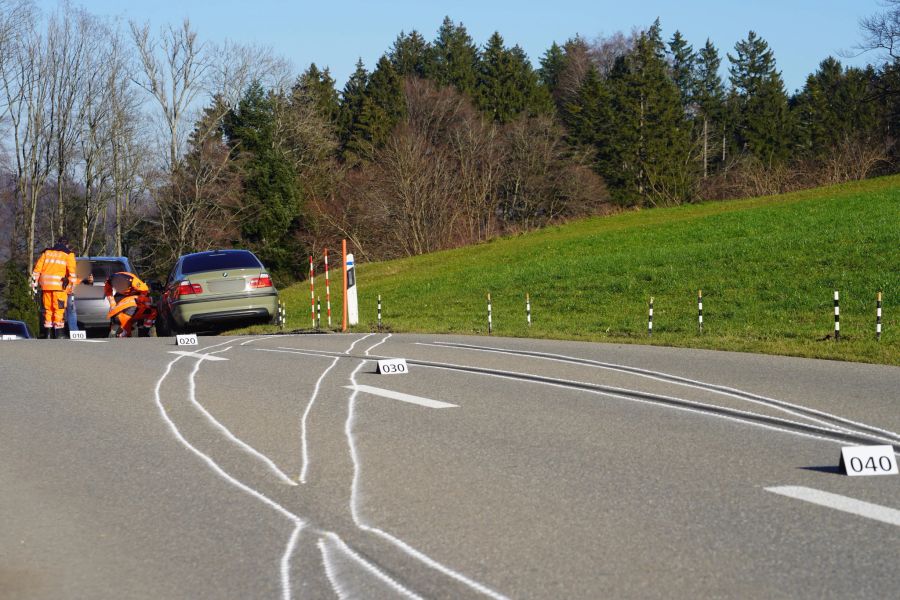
x: 53, y: 273
x: 129, y: 304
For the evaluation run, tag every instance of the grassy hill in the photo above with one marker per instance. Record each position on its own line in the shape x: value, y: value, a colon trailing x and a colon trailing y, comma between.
x: 767, y: 267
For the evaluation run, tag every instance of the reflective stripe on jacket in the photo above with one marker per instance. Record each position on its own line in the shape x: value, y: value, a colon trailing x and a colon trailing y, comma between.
x: 52, y: 268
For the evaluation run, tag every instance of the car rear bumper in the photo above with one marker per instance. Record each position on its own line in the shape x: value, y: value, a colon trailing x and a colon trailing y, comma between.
x: 227, y: 310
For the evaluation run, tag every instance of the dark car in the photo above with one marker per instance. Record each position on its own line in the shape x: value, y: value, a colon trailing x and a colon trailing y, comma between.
x: 215, y: 289
x: 14, y: 330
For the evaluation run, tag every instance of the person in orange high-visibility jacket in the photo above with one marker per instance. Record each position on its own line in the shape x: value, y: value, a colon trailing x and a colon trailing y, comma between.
x: 129, y: 303
x: 53, y: 273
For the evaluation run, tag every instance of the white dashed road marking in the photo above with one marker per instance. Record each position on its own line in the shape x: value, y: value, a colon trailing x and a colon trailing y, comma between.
x: 853, y: 506
x: 401, y: 396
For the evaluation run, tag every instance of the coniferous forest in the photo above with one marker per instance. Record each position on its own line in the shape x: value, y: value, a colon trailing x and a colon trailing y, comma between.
x: 149, y: 143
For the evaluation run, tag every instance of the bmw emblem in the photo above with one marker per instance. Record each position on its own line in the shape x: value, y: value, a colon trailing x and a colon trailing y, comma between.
x: 225, y: 274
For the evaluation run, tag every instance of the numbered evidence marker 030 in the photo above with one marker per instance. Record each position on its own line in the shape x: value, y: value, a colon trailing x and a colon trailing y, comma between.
x: 868, y: 460
x: 77, y: 335
x: 392, y: 366
x: 186, y: 340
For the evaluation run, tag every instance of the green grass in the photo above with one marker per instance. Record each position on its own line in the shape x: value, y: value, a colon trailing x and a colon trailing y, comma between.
x: 767, y: 267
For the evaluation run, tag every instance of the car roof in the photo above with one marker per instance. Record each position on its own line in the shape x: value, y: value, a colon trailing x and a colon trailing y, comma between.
x: 12, y: 321
x: 227, y: 251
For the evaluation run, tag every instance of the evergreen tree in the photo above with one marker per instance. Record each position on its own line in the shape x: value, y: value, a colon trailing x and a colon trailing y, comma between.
x: 454, y: 58
x: 319, y: 86
x: 834, y: 107
x: 410, y: 55
x: 553, y: 62
x: 271, y: 198
x: 17, y: 298
x: 644, y: 147
x: 760, y: 103
x: 586, y: 116
x: 507, y: 84
x: 709, y: 99
x: 353, y: 98
x: 683, y: 69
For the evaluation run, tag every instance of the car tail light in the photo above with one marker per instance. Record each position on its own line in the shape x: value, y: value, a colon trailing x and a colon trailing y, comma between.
x: 263, y: 281
x: 186, y: 288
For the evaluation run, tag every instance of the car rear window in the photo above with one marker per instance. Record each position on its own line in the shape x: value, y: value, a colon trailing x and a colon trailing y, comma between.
x: 13, y: 329
x: 218, y: 261
x: 102, y: 269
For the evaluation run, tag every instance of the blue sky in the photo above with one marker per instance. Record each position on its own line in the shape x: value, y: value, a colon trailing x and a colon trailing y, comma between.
x: 336, y: 33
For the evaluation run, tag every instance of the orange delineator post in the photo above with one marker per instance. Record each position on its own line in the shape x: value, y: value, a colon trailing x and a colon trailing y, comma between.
x: 344, y: 252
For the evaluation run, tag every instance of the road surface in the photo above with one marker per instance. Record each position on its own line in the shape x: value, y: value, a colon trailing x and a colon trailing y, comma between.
x: 284, y: 467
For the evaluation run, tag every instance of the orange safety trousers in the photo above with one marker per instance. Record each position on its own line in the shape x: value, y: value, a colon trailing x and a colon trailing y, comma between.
x: 55, y: 308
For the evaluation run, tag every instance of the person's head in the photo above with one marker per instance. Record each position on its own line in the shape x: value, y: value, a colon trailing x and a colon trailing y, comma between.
x: 62, y: 243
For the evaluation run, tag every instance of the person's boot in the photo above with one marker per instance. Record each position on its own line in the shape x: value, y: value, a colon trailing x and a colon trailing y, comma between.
x: 48, y: 333
x: 59, y: 333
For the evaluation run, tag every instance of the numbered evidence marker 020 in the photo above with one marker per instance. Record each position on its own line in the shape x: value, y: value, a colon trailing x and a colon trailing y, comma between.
x: 868, y: 460
x: 77, y: 335
x: 392, y: 366
x: 186, y: 340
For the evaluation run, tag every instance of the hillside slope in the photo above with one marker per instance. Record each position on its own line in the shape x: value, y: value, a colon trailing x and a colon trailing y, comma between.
x: 767, y: 267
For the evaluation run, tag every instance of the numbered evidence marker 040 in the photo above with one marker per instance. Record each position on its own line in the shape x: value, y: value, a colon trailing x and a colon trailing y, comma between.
x: 392, y: 366
x: 186, y: 340
x: 868, y: 460
x: 77, y: 335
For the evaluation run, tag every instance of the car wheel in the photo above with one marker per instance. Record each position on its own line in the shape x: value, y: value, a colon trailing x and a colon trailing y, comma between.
x: 164, y: 326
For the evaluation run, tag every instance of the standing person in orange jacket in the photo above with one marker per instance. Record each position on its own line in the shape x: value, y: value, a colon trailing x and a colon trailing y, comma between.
x: 54, y: 272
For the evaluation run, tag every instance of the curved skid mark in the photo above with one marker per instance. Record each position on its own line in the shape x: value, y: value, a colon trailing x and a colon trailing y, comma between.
x: 306, y: 412
x: 192, y: 388
x: 298, y: 522
x: 687, y: 382
x: 354, y: 511
x: 330, y: 570
x: 370, y: 348
x: 353, y: 345
x: 286, y: 562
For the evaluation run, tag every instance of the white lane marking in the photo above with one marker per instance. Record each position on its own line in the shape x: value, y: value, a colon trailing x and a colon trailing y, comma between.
x: 354, y: 510
x: 92, y: 341
x: 565, y: 384
x: 258, y: 339
x: 286, y: 562
x: 192, y: 395
x: 303, y: 442
x: 329, y: 546
x: 876, y: 512
x: 401, y: 396
x: 198, y: 355
x: 669, y: 378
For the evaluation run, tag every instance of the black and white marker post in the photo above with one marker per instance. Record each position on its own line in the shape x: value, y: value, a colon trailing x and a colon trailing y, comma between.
x: 379, y: 311
x: 318, y: 312
x: 490, y: 316
x: 878, y: 318
x: 700, y: 309
x: 837, y: 318
x: 650, y: 318
x: 528, y: 309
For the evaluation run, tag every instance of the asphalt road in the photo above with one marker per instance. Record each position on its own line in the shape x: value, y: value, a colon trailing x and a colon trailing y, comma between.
x: 284, y: 467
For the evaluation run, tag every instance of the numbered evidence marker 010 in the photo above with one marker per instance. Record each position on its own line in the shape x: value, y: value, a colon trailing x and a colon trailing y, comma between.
x: 868, y: 460
x: 392, y: 366
x: 77, y: 335
x: 186, y: 340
